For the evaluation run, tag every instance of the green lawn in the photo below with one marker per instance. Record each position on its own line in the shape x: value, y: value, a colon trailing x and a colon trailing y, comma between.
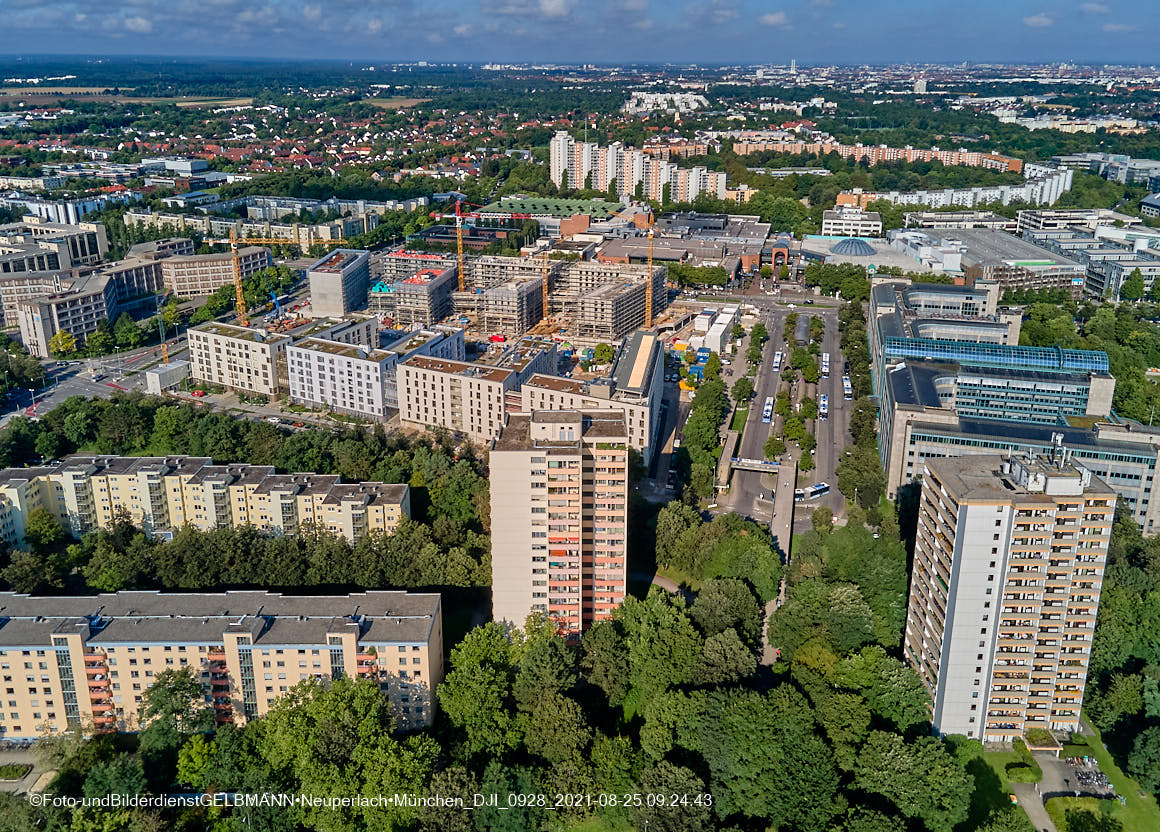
x: 14, y: 771
x: 998, y: 762
x: 1058, y: 807
x: 1138, y: 812
x: 739, y: 417
x: 679, y: 577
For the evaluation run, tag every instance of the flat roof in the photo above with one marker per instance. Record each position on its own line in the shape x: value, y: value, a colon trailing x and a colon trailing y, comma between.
x: 339, y: 348
x: 336, y: 260
x: 136, y: 617
x: 991, y: 246
x: 459, y: 368
x: 552, y: 206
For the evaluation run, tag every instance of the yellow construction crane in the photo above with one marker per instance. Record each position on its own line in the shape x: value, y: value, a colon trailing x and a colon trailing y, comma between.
x: 648, y: 284
x: 239, y: 294
x: 544, y: 286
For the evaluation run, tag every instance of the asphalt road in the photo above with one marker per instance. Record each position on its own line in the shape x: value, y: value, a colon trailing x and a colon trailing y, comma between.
x: 762, y: 497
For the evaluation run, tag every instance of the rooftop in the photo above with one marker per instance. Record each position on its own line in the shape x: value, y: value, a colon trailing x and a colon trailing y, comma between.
x: 595, y: 208
x: 338, y: 260
x: 459, y: 368
x: 339, y: 348
x: 199, y: 618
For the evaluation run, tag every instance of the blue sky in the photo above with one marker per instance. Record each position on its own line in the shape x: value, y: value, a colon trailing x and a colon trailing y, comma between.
x: 618, y: 31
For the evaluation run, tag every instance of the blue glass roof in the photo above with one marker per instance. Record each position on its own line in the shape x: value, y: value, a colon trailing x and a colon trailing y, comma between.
x: 970, y: 354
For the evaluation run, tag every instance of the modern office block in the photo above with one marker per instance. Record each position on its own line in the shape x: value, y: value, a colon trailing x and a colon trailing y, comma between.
x: 559, y: 509
x: 1008, y: 567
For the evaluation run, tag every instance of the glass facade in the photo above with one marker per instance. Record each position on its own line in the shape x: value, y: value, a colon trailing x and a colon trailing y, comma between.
x: 1042, y: 359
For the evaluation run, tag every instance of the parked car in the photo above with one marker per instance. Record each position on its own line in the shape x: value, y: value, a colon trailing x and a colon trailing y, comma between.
x: 198, y: 393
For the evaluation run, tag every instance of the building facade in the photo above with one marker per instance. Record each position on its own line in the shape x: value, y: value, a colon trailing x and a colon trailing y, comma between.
x: 1008, y: 567
x: 458, y: 396
x: 851, y: 222
x: 342, y: 377
x: 86, y: 662
x: 163, y: 494
x: 195, y: 275
x: 559, y: 508
x: 236, y: 357
x: 339, y: 283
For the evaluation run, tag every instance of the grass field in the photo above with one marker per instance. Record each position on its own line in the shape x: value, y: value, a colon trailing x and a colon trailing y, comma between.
x: 739, y: 418
x: 55, y: 90
x: 396, y: 102
x: 1058, y: 807
x: 1137, y: 812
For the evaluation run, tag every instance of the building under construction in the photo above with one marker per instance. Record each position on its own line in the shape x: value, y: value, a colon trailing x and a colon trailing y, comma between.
x: 604, y: 300
x: 422, y: 297
x: 585, y: 298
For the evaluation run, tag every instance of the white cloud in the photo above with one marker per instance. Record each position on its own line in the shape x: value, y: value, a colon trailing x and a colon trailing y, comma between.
x: 462, y: 30
x: 547, y: 9
x: 312, y: 13
x: 1119, y: 27
x: 138, y: 24
x: 774, y: 19
x: 1094, y: 8
x: 644, y: 24
x: 839, y: 26
x: 374, y: 26
x: 635, y: 5
x: 1038, y: 21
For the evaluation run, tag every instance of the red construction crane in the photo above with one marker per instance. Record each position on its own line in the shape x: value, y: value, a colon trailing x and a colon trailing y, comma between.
x: 460, y: 215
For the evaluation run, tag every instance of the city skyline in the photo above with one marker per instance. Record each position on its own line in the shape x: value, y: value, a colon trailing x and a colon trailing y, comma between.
x: 632, y: 31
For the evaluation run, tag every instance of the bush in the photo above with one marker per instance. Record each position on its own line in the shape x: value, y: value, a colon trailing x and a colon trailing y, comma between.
x: 1028, y: 762
x: 1022, y: 773
x: 14, y: 771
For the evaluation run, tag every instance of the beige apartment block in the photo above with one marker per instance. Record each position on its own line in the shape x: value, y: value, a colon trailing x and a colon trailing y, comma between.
x: 459, y: 396
x: 195, y: 275
x: 164, y: 494
x: 559, y: 517
x: 237, y: 357
x: 86, y: 662
x: 1008, y: 567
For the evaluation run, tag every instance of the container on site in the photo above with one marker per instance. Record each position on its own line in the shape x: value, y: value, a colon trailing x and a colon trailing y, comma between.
x: 497, y: 339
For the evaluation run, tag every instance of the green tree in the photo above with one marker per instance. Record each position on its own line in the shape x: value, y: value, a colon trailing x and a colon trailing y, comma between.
x: 1133, y: 286
x: 476, y: 693
x: 742, y: 390
x: 42, y: 531
x: 62, y: 343
x: 336, y: 738
x: 921, y: 778
x: 120, y: 775
x: 603, y: 354
x: 171, y: 314
x: 557, y: 730
x: 823, y: 520
x: 667, y: 778
x: 127, y: 333
x: 99, y: 343
x: 1144, y: 761
x: 774, y: 447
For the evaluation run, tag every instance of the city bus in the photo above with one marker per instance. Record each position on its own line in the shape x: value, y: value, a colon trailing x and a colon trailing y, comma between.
x: 777, y: 363
x: 767, y: 411
x: 825, y: 365
x: 811, y: 492
x: 823, y: 406
x: 847, y: 390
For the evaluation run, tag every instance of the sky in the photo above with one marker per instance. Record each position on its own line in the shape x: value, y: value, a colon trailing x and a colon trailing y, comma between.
x: 598, y: 31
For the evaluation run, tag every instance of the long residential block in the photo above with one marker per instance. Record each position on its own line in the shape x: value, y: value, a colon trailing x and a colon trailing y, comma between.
x: 164, y: 494
x: 86, y: 662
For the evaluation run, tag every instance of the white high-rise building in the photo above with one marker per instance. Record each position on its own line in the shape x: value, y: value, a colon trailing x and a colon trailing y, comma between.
x: 1008, y: 566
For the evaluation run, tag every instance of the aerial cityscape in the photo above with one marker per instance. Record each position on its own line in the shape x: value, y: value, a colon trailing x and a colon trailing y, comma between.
x: 537, y: 416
